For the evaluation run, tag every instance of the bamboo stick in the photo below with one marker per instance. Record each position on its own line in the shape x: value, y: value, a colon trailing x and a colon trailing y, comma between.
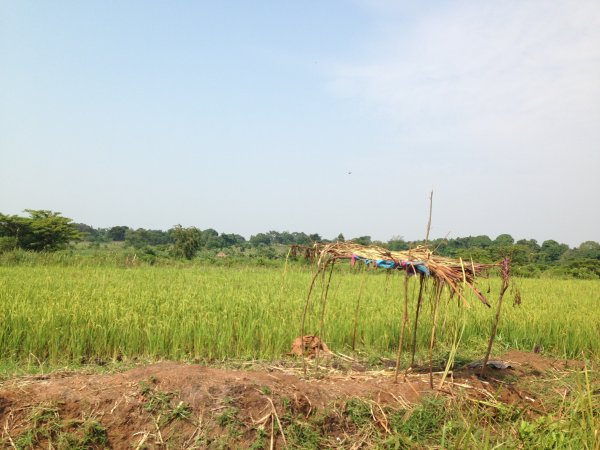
x: 404, y: 322
x: 503, y: 288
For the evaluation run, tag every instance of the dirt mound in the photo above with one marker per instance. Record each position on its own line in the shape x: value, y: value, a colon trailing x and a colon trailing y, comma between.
x: 191, y: 406
x: 310, y: 346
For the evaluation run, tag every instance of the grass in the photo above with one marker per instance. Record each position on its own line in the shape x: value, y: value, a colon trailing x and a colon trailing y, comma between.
x: 45, y: 428
x: 78, y: 315
x: 457, y: 421
x: 161, y: 405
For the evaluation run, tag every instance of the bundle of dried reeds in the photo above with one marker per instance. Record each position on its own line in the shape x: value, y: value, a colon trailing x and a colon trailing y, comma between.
x: 454, y: 273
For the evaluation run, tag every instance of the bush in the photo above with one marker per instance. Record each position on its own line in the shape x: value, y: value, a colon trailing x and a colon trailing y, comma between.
x: 7, y: 244
x: 584, y: 269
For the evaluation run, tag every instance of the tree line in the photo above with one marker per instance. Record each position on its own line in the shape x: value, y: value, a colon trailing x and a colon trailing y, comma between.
x: 43, y: 230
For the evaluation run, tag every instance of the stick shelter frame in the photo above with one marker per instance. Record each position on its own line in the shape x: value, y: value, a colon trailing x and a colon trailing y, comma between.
x: 444, y: 273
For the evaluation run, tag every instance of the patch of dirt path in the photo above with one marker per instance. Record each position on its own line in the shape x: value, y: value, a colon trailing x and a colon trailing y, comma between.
x: 169, y: 402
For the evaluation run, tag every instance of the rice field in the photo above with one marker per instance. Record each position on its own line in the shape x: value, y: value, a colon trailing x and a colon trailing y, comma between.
x: 64, y: 315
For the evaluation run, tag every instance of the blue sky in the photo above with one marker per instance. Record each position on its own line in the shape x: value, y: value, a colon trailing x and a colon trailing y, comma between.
x: 247, y: 116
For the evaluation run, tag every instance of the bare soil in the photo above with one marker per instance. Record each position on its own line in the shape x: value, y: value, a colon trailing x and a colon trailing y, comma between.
x: 177, y: 405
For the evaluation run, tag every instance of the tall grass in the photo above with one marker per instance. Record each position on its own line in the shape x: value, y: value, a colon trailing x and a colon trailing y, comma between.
x: 65, y: 314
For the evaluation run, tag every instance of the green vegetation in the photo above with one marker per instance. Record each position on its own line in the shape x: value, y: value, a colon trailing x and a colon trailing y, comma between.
x: 126, y: 296
x: 45, y: 426
x: 41, y: 231
x: 459, y: 422
x: 55, y: 314
x: 438, y: 421
x: 161, y: 404
x: 47, y: 231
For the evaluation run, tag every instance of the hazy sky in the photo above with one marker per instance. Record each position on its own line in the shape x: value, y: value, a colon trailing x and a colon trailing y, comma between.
x: 248, y: 116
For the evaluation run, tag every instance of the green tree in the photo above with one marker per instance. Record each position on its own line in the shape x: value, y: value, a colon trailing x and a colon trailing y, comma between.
x: 474, y: 253
x: 587, y: 250
x: 551, y: 251
x: 260, y: 239
x: 314, y: 238
x: 481, y: 241
x: 230, y: 240
x: 187, y: 241
x: 397, y: 243
x: 118, y: 233
x: 301, y: 238
x: 504, y: 240
x: 88, y: 233
x: 531, y: 247
x: 362, y: 240
x: 141, y: 237
x: 43, y: 230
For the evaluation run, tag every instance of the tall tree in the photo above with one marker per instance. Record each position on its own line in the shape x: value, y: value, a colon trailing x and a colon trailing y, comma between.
x: 43, y: 230
x: 552, y: 251
x: 187, y: 241
x: 504, y: 239
x: 363, y: 240
x: 118, y: 233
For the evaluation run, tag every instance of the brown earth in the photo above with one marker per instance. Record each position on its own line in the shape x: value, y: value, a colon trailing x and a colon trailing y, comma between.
x: 177, y: 405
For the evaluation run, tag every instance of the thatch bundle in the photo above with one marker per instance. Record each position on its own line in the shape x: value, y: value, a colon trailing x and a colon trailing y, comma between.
x: 454, y: 273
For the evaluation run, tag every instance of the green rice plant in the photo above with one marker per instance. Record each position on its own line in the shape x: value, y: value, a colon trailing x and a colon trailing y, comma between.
x: 71, y: 315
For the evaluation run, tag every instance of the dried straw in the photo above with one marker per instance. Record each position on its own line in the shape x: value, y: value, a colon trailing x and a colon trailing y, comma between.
x: 450, y: 272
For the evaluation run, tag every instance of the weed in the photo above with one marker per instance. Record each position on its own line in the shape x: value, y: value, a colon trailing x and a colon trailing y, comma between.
x: 426, y: 420
x: 182, y: 411
x: 302, y: 435
x: 159, y: 403
x: 358, y: 412
x: 544, y: 432
x: 46, y: 426
x: 145, y: 389
x: 261, y: 440
x: 227, y: 417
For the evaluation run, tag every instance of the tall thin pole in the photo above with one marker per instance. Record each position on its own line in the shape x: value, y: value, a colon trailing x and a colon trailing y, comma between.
x: 324, y: 301
x: 414, y: 339
x: 404, y: 321
x: 503, y: 288
x: 429, y: 221
x: 438, y: 294
x: 312, y: 285
x: 360, y: 291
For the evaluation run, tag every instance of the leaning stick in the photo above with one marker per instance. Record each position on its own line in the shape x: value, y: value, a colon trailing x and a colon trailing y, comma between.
x: 414, y: 339
x: 324, y: 301
x: 404, y: 322
x: 360, y: 291
x: 503, y: 288
x: 438, y: 294
x: 429, y: 221
x: 312, y: 285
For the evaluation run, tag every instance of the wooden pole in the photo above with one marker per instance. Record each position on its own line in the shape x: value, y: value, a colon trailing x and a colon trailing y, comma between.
x: 414, y: 339
x: 312, y: 285
x: 360, y: 291
x: 438, y: 294
x: 404, y: 322
x: 324, y: 301
x: 429, y: 221
x: 503, y: 288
